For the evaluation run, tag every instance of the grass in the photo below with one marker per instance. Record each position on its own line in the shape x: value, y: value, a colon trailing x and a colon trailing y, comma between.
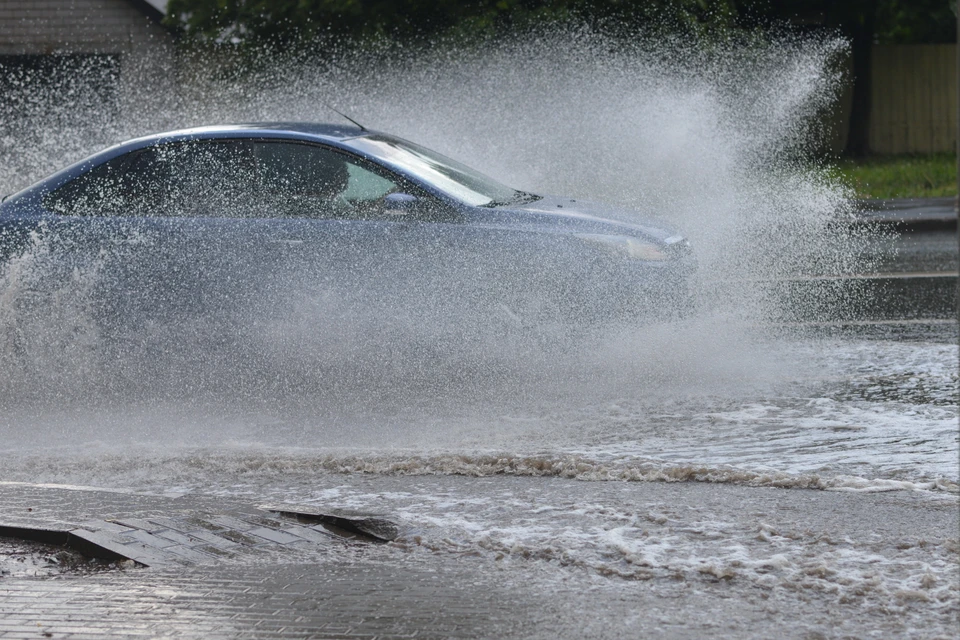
x: 902, y: 176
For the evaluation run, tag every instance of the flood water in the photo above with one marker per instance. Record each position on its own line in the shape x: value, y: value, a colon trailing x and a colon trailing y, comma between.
x: 524, y: 455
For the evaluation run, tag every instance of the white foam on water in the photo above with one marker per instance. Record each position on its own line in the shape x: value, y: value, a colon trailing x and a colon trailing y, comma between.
x: 848, y: 415
x: 624, y: 535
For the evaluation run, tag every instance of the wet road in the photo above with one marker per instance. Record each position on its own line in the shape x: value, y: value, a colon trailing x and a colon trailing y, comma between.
x: 819, y: 502
x: 920, y: 252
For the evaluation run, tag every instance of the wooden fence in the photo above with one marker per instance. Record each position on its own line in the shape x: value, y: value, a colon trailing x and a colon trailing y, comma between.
x: 914, y: 98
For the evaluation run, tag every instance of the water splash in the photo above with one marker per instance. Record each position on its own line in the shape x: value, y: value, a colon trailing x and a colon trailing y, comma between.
x: 714, y: 140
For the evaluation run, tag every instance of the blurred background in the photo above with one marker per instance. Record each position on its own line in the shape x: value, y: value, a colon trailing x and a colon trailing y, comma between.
x: 890, y: 132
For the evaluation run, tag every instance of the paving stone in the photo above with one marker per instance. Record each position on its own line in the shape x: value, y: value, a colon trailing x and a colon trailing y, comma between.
x: 213, y: 539
x: 103, y: 525
x: 180, y: 526
x: 199, y: 583
x: 213, y: 551
x: 136, y: 552
x: 274, y: 536
x: 230, y: 523
x: 143, y: 537
x: 312, y: 534
x: 139, y: 523
x: 192, y: 554
x: 240, y: 538
x: 177, y: 537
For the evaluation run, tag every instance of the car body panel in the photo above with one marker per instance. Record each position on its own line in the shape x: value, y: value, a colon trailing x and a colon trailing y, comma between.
x: 451, y: 249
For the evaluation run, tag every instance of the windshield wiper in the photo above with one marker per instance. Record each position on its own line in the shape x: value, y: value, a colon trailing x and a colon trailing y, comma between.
x: 520, y: 197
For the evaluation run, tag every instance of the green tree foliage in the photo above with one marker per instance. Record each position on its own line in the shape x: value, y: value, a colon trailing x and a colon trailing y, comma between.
x: 283, y: 23
x: 889, y: 21
x: 916, y: 21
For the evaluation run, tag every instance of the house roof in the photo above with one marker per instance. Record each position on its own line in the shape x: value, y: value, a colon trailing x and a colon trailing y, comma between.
x: 153, y: 9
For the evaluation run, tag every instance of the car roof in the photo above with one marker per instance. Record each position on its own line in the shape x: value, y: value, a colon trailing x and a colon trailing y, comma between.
x: 323, y: 131
x: 336, y: 134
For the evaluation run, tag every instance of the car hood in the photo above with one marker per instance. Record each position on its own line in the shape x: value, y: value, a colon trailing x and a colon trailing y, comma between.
x: 587, y: 217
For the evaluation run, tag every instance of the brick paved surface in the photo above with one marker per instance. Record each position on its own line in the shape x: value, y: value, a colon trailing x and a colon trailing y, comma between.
x: 333, y: 600
x: 158, y: 530
x: 223, y: 568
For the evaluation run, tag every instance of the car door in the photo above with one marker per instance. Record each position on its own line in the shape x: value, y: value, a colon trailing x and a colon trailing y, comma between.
x: 160, y: 226
x: 230, y: 226
x: 340, y: 239
x: 430, y: 262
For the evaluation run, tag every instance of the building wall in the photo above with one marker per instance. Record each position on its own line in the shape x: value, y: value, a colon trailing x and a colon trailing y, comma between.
x: 75, y: 76
x: 75, y: 26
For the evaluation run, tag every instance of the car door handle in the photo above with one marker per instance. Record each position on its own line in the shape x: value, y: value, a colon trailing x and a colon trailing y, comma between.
x: 287, y: 242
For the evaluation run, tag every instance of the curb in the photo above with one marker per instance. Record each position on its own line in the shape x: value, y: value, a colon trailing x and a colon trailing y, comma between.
x: 910, y: 214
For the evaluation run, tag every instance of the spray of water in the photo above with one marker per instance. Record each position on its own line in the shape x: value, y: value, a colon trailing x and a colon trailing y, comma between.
x: 714, y: 140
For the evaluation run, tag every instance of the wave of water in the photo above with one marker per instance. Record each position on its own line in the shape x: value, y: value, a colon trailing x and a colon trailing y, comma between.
x: 832, y: 428
x: 716, y: 140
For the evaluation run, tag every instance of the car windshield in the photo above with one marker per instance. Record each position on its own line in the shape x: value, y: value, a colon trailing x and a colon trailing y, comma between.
x: 444, y: 174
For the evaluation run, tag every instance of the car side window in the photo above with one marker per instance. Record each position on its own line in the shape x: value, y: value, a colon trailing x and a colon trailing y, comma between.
x: 197, y: 179
x: 96, y: 192
x: 365, y: 186
x: 202, y: 178
x: 231, y: 178
x: 304, y: 180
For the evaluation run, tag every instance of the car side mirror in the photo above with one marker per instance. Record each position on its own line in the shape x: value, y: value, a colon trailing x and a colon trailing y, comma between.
x: 399, y: 204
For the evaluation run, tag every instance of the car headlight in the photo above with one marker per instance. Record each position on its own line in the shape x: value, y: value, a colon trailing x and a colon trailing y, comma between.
x: 625, y: 246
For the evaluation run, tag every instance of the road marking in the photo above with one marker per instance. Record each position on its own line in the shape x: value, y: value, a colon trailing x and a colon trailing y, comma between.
x: 859, y: 323
x: 852, y: 276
